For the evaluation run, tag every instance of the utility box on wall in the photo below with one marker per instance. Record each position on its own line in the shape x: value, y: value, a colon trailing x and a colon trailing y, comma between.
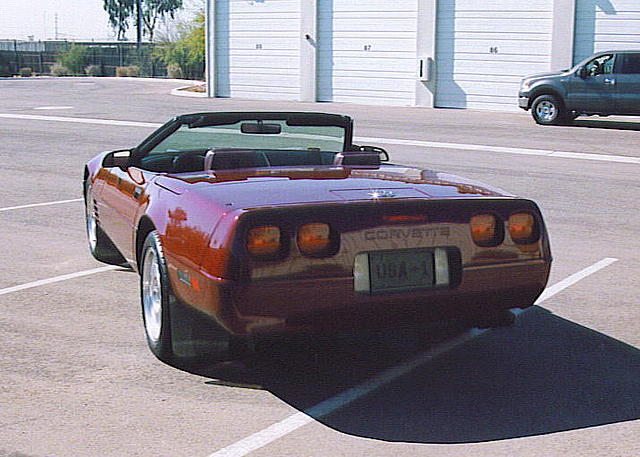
x: 425, y: 69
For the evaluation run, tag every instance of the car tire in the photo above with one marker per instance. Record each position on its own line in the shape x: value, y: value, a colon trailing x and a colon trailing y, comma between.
x: 176, y: 333
x: 100, y: 246
x: 548, y: 110
x: 156, y: 297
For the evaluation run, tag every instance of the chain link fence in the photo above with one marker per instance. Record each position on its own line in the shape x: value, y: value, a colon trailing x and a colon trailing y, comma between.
x: 17, y: 57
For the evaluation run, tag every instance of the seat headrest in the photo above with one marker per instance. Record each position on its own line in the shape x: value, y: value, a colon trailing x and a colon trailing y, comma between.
x: 217, y: 159
x: 363, y: 158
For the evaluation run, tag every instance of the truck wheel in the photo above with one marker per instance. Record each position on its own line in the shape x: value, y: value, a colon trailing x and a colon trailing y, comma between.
x: 548, y: 110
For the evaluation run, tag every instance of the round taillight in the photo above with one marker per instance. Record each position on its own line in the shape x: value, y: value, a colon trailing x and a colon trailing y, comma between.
x: 314, y: 239
x: 486, y: 230
x: 264, y: 241
x: 523, y: 228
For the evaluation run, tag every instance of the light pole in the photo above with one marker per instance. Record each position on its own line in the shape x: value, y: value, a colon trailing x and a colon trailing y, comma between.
x: 139, y: 33
x: 139, y: 22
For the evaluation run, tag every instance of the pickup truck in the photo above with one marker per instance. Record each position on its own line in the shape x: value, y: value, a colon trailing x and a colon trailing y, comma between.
x: 604, y: 84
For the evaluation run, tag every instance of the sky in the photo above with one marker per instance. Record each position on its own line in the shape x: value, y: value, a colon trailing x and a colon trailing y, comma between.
x: 62, y: 19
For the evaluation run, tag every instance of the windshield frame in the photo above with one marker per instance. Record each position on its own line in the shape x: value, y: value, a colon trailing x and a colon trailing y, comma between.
x: 229, y: 118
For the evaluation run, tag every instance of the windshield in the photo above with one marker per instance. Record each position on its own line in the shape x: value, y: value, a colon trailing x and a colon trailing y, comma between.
x: 325, y: 138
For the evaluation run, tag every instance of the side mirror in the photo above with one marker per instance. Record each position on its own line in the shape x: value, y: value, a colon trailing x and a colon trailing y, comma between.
x: 119, y: 158
x: 582, y: 72
x: 384, y: 155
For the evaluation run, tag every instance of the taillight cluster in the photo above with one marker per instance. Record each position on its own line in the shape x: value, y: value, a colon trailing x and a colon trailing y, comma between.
x: 314, y: 239
x: 486, y: 230
x: 523, y: 228
x: 264, y: 241
x: 489, y: 229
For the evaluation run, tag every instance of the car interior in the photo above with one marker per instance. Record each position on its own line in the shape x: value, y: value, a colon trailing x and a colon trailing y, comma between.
x: 231, y: 158
x: 219, y: 143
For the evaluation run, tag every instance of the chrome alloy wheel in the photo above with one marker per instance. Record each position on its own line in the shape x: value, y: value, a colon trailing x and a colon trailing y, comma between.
x: 546, y: 111
x: 152, y: 296
x: 92, y: 223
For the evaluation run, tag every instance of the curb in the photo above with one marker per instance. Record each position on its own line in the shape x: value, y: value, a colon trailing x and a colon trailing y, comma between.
x: 178, y: 91
x: 182, y: 92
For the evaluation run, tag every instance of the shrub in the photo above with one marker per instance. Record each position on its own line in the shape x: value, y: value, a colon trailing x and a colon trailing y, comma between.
x: 122, y: 71
x: 93, y: 70
x: 133, y: 70
x: 174, y: 71
x: 188, y: 52
x: 25, y: 71
x: 60, y: 70
x: 75, y: 58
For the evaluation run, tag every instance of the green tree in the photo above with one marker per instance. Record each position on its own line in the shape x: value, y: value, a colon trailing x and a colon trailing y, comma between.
x: 75, y: 57
x: 188, y: 51
x: 153, y: 10
x: 119, y: 11
x: 122, y: 11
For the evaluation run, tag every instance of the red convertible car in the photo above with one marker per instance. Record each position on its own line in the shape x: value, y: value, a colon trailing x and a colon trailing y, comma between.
x: 252, y: 224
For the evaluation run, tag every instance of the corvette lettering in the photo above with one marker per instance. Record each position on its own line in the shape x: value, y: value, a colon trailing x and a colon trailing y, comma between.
x: 403, y: 234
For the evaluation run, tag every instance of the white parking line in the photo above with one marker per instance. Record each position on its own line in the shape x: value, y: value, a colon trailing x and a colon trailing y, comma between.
x: 44, y: 282
x: 423, y: 144
x: 81, y: 120
x: 502, y: 149
x: 34, y: 205
x: 574, y: 278
x: 52, y: 107
x: 299, y: 419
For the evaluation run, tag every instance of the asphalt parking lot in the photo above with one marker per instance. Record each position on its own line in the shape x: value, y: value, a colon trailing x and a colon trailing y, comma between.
x: 76, y: 377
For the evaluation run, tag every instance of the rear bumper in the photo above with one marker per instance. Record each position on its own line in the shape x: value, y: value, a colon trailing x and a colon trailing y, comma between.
x: 285, y: 306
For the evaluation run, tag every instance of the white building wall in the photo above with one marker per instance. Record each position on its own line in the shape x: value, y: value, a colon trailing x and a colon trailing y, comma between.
x: 606, y: 25
x: 367, y: 51
x: 257, y: 49
x: 483, y: 49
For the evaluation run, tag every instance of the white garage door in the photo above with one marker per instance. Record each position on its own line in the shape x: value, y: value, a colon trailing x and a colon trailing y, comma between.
x: 258, y: 49
x: 484, y: 48
x: 367, y: 51
x: 606, y: 25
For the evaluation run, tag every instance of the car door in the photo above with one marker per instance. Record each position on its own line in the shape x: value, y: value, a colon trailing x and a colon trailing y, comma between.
x: 125, y: 190
x: 123, y: 193
x: 627, y: 83
x: 593, y: 90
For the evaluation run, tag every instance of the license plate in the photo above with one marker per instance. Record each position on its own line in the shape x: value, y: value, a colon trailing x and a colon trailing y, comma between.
x: 401, y: 270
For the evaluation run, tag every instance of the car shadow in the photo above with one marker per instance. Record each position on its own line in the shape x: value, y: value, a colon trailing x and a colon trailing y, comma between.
x: 605, y: 124
x: 545, y: 374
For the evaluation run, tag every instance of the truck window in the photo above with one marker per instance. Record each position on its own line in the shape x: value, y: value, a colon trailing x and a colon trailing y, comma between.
x: 630, y: 64
x: 602, y: 65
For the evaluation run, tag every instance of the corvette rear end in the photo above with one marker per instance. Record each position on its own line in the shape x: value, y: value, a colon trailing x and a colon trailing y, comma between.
x: 368, y: 256
x: 251, y: 224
